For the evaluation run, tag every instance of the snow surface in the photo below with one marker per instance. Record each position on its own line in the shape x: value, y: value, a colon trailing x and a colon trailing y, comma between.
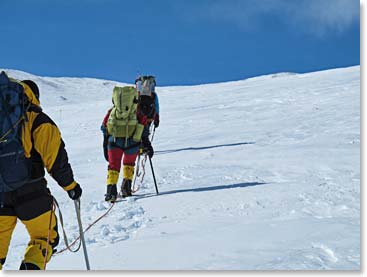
x: 258, y: 174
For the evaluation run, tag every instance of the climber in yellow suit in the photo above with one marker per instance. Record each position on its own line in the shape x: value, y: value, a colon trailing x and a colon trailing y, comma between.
x: 32, y: 203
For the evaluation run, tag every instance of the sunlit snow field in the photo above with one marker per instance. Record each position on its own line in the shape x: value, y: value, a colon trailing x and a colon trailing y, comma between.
x: 258, y: 174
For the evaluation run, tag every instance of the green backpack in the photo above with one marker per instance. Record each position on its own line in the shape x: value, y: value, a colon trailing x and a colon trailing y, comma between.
x: 122, y: 122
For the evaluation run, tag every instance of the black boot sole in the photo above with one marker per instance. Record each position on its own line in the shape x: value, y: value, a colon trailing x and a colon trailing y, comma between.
x: 111, y: 198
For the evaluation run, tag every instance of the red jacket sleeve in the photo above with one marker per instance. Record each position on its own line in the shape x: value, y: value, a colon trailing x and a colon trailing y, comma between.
x: 104, y: 123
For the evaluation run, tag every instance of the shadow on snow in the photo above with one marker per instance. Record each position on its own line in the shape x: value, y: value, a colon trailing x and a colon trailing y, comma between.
x: 200, y: 148
x: 203, y: 189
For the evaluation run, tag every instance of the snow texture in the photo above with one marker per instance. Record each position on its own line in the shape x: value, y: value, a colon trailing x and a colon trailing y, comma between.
x: 258, y: 174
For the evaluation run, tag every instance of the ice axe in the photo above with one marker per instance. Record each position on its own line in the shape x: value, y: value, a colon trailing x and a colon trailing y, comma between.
x: 155, y: 182
x: 151, y: 164
x: 151, y: 140
x: 77, y: 209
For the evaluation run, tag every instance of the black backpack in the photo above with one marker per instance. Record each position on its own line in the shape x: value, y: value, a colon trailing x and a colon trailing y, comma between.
x: 147, y: 105
x: 14, y: 167
x: 146, y: 89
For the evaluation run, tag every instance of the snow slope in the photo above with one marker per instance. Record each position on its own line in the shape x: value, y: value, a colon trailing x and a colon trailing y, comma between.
x: 258, y: 174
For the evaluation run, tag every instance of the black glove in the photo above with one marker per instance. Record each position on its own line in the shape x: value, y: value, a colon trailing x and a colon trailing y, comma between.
x: 147, y: 147
x: 75, y: 193
x: 150, y: 151
x: 156, y: 123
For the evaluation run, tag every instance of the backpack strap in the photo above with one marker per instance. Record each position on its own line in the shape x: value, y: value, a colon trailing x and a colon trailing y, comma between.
x: 5, y: 83
x: 7, y: 117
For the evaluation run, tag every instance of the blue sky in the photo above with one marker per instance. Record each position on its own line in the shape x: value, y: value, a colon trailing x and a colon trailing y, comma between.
x: 179, y: 41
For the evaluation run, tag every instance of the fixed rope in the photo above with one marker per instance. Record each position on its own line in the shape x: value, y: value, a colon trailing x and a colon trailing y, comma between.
x: 138, y: 174
x: 52, y: 212
x: 143, y: 162
x: 68, y: 246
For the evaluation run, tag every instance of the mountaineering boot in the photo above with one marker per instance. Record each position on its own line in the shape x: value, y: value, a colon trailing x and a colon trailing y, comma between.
x: 28, y: 266
x: 112, y: 179
x: 128, y: 173
x: 111, y: 194
x: 126, y: 188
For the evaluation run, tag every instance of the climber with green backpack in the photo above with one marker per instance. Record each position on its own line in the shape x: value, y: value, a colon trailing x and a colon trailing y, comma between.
x: 122, y: 128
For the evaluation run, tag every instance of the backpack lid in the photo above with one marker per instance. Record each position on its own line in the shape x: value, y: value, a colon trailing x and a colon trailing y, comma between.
x: 145, y: 85
x: 3, y: 75
x: 124, y: 100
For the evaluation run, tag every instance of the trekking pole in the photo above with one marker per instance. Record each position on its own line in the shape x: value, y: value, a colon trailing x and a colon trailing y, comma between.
x: 151, y: 140
x: 155, y: 182
x: 77, y: 209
